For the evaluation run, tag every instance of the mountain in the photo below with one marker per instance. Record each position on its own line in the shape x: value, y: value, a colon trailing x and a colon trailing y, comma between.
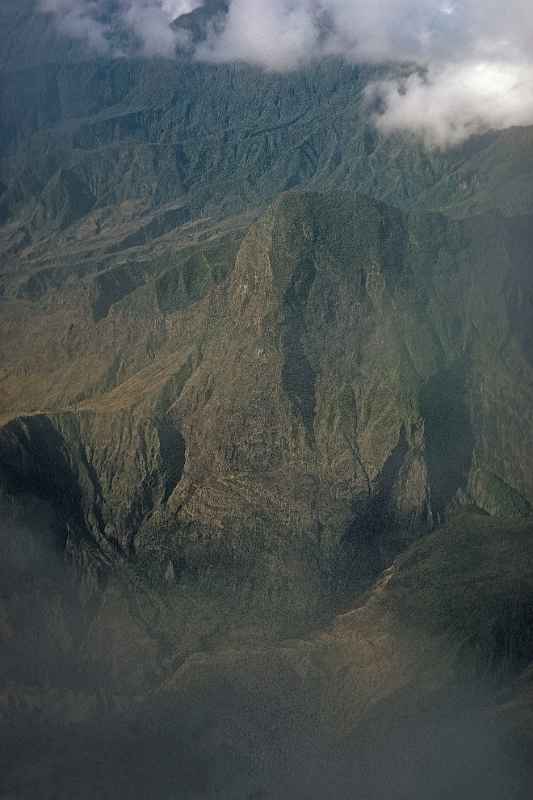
x: 265, y: 421
x: 338, y: 349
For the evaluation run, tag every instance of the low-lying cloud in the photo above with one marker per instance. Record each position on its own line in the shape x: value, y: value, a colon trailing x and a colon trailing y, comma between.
x: 472, y: 61
x: 101, y: 22
x: 449, y: 103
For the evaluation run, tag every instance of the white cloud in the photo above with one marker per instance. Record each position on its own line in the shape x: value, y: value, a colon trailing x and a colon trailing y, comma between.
x: 95, y: 21
x: 447, y: 104
x: 280, y: 34
x: 150, y: 21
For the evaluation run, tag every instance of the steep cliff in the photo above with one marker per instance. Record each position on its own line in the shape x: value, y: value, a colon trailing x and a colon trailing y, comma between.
x: 344, y: 378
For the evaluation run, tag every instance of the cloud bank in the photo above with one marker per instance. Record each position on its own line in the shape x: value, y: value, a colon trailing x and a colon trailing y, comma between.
x: 472, y: 60
x: 449, y: 103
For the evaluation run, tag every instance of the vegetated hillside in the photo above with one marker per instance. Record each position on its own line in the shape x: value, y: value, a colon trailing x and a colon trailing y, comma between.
x: 28, y: 38
x: 81, y: 135
x: 79, y: 139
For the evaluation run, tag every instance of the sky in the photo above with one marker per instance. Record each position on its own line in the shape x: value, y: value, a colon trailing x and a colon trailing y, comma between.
x: 472, y: 60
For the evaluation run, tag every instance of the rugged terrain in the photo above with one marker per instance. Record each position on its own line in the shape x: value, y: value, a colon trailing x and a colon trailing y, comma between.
x: 265, y: 437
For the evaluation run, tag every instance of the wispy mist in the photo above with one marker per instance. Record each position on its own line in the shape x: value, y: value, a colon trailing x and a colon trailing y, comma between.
x: 149, y: 23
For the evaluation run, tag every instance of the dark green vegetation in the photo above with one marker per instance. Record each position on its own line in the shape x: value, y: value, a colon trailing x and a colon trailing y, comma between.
x: 265, y: 444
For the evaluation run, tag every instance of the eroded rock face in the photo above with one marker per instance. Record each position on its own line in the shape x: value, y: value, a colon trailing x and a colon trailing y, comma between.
x: 354, y: 377
x: 104, y: 472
